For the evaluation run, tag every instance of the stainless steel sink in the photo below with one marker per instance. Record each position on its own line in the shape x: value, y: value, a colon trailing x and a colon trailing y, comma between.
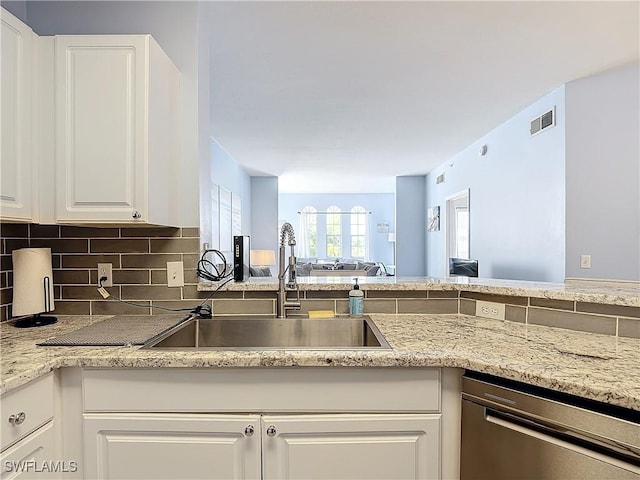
x: 259, y: 333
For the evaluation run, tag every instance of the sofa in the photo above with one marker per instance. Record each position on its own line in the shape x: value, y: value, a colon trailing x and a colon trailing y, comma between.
x: 324, y: 268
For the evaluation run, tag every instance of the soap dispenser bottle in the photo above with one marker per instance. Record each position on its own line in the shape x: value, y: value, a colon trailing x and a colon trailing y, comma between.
x: 356, y: 300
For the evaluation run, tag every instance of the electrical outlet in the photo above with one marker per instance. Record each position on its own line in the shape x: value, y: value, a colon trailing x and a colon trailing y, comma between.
x: 585, y: 261
x: 105, y: 270
x: 175, y: 274
x: 490, y: 310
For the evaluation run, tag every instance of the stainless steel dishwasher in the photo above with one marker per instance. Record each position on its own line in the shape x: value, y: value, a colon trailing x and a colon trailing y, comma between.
x: 512, y: 430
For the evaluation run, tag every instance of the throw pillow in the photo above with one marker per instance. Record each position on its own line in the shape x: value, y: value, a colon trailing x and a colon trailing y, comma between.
x: 260, y: 271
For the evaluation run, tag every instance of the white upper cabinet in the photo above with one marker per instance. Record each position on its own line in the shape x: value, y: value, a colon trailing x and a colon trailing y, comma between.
x: 116, y: 131
x: 17, y: 133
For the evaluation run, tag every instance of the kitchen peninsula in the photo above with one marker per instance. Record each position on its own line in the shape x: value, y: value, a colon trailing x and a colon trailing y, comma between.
x: 608, y: 339
x: 603, y: 292
x: 118, y: 389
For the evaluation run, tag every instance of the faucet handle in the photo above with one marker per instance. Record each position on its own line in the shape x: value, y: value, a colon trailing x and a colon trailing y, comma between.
x: 292, y: 305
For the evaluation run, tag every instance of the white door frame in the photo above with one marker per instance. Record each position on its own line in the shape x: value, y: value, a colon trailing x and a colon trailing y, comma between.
x: 448, y: 201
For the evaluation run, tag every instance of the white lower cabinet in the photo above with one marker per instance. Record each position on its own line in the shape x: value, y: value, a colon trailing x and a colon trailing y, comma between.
x: 33, y: 457
x: 262, y: 423
x: 171, y: 446
x: 28, y: 433
x: 349, y: 447
x: 209, y: 446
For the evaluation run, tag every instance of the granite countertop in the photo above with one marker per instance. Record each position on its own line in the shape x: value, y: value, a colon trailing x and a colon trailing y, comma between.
x: 606, y: 292
x: 599, y: 367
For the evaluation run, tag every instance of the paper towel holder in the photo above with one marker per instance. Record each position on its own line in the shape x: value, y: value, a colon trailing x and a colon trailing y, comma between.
x: 32, y: 278
x: 37, y: 319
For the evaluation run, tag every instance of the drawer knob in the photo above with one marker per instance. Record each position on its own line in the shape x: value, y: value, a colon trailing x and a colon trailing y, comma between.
x: 17, y: 418
x: 248, y: 431
x: 271, y: 431
x: 136, y: 215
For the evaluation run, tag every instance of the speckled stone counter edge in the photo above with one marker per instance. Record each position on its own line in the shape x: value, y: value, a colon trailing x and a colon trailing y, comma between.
x: 611, y: 293
x: 548, y: 357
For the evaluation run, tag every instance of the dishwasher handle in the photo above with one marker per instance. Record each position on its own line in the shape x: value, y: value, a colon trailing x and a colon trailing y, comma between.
x: 562, y: 438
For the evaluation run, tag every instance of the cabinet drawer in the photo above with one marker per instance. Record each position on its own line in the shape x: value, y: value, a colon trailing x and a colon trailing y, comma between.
x: 29, y: 458
x: 262, y: 390
x: 25, y: 409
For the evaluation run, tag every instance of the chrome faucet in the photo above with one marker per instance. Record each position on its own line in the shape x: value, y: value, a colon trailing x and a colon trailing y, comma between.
x: 287, y: 235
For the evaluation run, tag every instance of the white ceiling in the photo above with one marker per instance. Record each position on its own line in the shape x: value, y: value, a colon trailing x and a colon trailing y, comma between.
x: 344, y: 96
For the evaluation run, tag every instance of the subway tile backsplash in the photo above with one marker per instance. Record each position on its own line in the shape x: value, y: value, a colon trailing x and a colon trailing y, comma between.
x: 140, y: 255
x: 572, y: 321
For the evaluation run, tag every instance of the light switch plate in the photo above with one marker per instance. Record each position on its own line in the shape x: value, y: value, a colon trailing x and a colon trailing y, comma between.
x: 175, y: 274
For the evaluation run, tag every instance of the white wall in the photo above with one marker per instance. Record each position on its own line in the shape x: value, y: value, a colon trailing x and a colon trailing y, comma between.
x: 174, y: 26
x: 380, y: 204
x: 517, y: 207
x: 411, y: 226
x: 603, y: 174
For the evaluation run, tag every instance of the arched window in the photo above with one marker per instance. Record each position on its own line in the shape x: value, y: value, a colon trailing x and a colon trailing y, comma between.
x: 308, y: 233
x: 358, y: 230
x: 334, y: 232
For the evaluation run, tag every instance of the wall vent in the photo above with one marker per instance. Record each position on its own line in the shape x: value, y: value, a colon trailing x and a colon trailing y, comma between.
x: 544, y: 121
x: 440, y: 178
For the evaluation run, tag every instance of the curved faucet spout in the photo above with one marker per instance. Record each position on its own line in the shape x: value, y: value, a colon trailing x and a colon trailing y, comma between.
x: 284, y: 304
x: 287, y: 232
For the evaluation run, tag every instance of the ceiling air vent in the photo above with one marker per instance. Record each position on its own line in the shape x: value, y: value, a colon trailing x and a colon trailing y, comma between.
x: 544, y: 121
x: 440, y: 178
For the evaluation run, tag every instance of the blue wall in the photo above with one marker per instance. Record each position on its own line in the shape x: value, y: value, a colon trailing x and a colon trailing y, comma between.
x: 259, y: 197
x: 603, y: 174
x: 411, y: 226
x: 380, y: 204
x: 517, y: 198
x: 227, y: 173
x: 264, y: 213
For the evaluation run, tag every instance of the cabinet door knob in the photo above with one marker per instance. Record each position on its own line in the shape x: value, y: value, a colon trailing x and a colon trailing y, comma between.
x: 17, y: 418
x: 271, y: 431
x: 136, y: 214
x: 248, y: 431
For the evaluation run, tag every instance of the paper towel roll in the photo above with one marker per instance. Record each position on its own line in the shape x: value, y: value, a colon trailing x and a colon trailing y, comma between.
x: 32, y: 281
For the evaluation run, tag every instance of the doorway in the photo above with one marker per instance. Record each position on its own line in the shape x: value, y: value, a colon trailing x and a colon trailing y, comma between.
x: 457, y: 223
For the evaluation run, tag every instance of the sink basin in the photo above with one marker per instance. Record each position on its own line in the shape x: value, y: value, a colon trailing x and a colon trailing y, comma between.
x: 260, y: 333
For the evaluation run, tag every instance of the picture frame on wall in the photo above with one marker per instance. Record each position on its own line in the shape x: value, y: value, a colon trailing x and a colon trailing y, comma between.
x: 433, y: 219
x: 225, y: 220
x: 383, y: 226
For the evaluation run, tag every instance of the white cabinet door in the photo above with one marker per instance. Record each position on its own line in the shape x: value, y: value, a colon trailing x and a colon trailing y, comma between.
x: 350, y: 447
x: 171, y: 446
x: 16, y: 182
x: 116, y: 130
x: 33, y: 457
